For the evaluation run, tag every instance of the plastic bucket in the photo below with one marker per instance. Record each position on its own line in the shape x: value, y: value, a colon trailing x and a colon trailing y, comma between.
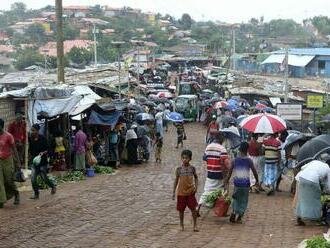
x: 90, y: 172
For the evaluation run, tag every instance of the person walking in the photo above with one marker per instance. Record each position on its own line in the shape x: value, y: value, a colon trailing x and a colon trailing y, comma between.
x: 217, y: 161
x: 254, y: 152
x: 159, y: 146
x: 8, y: 150
x: 212, y: 130
x: 185, y: 187
x: 80, y: 145
x: 272, y: 147
x: 181, y: 133
x: 313, y: 178
x: 131, y: 145
x: 38, y: 152
x: 241, y: 168
x: 18, y: 129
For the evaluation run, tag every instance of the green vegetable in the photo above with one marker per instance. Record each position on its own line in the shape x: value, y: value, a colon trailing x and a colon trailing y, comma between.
x: 214, y: 195
x: 325, y: 198
x: 317, y: 242
x: 73, y: 176
x: 103, y: 170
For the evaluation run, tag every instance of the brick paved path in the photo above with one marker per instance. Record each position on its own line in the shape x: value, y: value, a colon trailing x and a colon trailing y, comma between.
x: 134, y: 209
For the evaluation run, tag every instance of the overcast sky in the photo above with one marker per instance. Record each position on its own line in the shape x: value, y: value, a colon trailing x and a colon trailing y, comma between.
x: 223, y: 10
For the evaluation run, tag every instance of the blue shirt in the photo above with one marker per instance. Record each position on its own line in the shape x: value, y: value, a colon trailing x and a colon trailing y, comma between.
x: 241, y: 171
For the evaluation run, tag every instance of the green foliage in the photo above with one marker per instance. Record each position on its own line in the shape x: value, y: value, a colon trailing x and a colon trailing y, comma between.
x: 284, y: 27
x: 36, y: 33
x: 186, y: 21
x: 70, y: 32
x: 80, y: 56
x: 317, y: 242
x: 322, y: 23
x: 26, y: 58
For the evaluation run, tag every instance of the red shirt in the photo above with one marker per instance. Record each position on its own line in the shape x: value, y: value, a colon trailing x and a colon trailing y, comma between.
x: 213, y: 128
x: 18, y: 130
x: 6, y: 142
x: 254, y: 148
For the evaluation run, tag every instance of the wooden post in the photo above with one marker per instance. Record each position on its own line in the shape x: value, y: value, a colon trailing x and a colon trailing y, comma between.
x: 26, y: 150
x: 59, y: 41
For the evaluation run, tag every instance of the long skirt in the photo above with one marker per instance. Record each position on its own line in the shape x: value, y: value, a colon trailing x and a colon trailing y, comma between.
x: 308, y: 200
x: 240, y: 200
x: 259, y: 168
x: 7, y: 185
x: 132, y: 151
x: 80, y: 161
x: 210, y: 186
x: 59, y: 162
x: 270, y: 174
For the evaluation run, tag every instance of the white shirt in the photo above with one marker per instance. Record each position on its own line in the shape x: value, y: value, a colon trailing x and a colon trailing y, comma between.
x: 130, y: 134
x: 314, y: 171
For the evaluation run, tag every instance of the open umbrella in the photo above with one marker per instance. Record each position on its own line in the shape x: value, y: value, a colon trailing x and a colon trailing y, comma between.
x: 313, y: 147
x: 260, y: 106
x: 232, y: 134
x: 263, y: 123
x: 326, y: 119
x: 175, y: 117
x: 144, y: 117
x: 219, y: 105
x: 164, y: 94
x: 294, y: 138
x: 241, y: 118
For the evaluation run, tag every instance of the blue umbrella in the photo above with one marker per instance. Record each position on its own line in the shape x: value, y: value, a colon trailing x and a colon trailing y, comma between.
x: 175, y: 117
x: 231, y: 107
x: 232, y: 102
x: 144, y: 117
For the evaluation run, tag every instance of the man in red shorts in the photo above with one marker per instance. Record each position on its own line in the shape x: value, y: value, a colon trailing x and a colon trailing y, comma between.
x: 185, y: 186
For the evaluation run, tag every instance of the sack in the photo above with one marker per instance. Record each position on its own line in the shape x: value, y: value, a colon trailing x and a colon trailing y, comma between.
x: 91, y: 160
x: 19, y: 177
x: 221, y: 207
x: 36, y: 161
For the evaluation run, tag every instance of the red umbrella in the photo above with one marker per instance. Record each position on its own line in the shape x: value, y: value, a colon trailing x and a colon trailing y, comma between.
x: 164, y: 94
x: 263, y: 123
x: 220, y: 104
x: 261, y: 106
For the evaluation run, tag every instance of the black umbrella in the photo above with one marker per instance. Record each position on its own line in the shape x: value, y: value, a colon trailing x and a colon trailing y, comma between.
x: 295, y: 138
x: 326, y: 119
x: 312, y: 147
x: 226, y: 120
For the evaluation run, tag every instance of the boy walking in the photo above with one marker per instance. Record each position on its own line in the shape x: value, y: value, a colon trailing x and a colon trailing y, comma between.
x: 241, y: 167
x: 159, y: 146
x: 181, y: 133
x: 185, y: 187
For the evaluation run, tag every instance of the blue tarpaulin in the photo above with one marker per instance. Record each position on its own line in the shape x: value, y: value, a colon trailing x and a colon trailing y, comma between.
x: 104, y: 119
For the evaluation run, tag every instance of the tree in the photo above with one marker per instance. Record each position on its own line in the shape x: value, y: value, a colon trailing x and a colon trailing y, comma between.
x: 96, y: 10
x: 18, y: 9
x: 26, y: 58
x: 322, y: 23
x: 36, y: 33
x: 80, y: 56
x: 70, y: 32
x: 186, y: 21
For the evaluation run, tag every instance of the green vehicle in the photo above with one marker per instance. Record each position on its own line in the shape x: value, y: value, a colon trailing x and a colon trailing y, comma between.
x: 187, y: 106
x: 187, y: 88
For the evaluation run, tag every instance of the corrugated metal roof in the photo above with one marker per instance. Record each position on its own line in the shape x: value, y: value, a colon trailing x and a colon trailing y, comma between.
x: 307, y: 51
x: 294, y: 60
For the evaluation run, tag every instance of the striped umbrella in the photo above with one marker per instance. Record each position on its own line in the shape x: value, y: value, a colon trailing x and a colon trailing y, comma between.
x: 219, y: 105
x: 263, y: 123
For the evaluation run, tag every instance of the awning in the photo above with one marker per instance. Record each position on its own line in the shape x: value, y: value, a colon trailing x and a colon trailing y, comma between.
x: 79, y: 109
x: 275, y: 100
x: 105, y: 119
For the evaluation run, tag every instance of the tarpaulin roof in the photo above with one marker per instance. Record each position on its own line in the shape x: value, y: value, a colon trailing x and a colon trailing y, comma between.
x: 294, y: 60
x: 104, y: 119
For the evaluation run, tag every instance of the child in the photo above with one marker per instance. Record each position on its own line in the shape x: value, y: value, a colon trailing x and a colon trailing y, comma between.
x: 159, y: 146
x: 181, y: 133
x: 185, y: 186
x: 241, y: 168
